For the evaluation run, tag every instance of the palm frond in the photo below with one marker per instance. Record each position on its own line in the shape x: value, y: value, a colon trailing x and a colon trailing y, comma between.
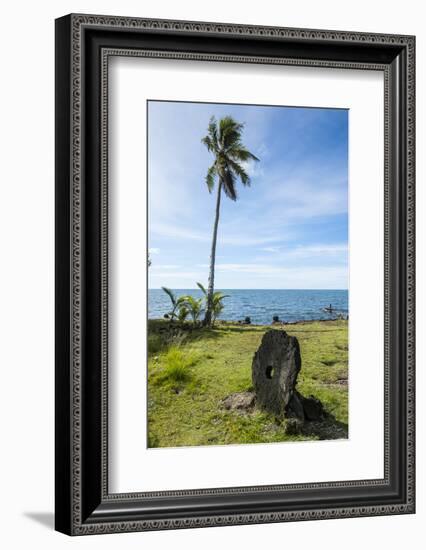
x: 239, y: 152
x: 202, y: 288
x: 211, y: 139
x: 183, y: 313
x: 194, y: 306
x: 211, y: 173
x: 218, y: 297
x: 181, y: 300
x: 229, y: 131
x: 239, y: 171
x: 193, y: 302
x: 217, y: 305
x: 212, y: 129
x: 229, y: 181
x: 170, y: 294
x: 206, y: 140
x: 217, y: 310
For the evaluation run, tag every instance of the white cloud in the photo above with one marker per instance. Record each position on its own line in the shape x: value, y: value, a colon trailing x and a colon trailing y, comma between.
x: 301, y: 200
x: 165, y: 229
x: 165, y: 266
x: 307, y: 251
x: 249, y: 268
x: 271, y: 249
x: 154, y: 250
x: 271, y: 276
x: 246, y: 240
x: 320, y: 250
x: 253, y: 168
x: 175, y: 231
x: 175, y: 279
x: 262, y: 151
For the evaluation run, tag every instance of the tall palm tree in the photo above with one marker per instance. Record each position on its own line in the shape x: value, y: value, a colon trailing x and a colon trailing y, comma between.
x: 223, y: 140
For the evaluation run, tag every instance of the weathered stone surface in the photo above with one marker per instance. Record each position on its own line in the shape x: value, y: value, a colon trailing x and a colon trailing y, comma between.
x: 275, y: 367
x: 240, y: 401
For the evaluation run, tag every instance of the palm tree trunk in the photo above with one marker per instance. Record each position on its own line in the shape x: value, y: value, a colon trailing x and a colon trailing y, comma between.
x: 208, y: 315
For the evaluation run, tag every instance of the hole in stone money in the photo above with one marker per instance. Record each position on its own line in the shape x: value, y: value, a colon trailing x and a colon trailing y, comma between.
x: 269, y: 372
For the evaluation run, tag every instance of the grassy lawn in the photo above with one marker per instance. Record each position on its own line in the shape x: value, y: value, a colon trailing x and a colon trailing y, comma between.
x: 190, y: 372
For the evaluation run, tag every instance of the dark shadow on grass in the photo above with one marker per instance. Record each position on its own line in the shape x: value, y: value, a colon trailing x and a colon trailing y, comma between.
x: 165, y: 330
x: 330, y: 362
x: 260, y: 328
x: 183, y: 333
x: 245, y: 328
x: 203, y: 334
x: 329, y: 428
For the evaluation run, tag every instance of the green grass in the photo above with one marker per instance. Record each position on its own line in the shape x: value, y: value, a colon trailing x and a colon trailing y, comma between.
x: 190, y: 372
x: 177, y: 363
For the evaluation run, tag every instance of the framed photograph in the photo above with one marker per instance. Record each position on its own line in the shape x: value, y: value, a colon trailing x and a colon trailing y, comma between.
x: 234, y: 274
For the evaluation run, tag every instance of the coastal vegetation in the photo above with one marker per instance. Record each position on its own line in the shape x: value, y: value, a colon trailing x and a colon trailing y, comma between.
x: 192, y: 370
x: 187, y: 305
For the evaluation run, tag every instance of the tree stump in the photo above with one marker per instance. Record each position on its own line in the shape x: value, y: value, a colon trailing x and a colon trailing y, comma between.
x: 275, y: 367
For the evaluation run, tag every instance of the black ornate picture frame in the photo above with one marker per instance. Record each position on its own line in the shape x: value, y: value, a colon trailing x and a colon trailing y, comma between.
x: 84, y: 44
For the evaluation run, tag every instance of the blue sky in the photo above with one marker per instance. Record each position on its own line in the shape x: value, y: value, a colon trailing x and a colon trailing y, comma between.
x: 289, y: 229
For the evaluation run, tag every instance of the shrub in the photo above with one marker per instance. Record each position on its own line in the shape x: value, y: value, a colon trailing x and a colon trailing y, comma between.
x: 176, y: 339
x: 193, y: 307
x: 177, y: 363
x: 183, y: 313
x: 176, y: 303
x: 155, y: 343
x: 217, y: 305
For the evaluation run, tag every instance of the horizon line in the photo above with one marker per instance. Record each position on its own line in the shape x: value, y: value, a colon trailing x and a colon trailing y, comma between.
x: 229, y: 288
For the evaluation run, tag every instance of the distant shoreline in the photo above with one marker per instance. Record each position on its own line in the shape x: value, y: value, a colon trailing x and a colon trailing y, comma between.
x: 261, y: 306
x: 276, y: 324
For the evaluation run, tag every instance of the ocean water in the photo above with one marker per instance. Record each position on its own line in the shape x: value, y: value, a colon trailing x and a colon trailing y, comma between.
x: 262, y: 305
